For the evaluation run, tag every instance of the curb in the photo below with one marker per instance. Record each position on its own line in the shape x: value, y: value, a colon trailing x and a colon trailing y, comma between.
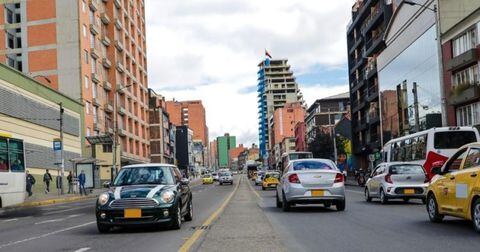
x: 53, y: 201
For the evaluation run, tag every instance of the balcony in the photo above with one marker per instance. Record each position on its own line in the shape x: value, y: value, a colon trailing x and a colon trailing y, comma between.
x: 93, y: 5
x: 118, y: 24
x: 372, y: 93
x: 370, y: 69
x: 105, y: 18
x: 359, y: 83
x: 117, y: 3
x: 96, y: 126
x: 465, y: 59
x: 105, y: 40
x: 108, y: 108
x: 374, y: 44
x: 355, y: 44
x: 95, y: 52
x: 121, y: 110
x: 96, y: 102
x: 120, y: 88
x: 119, y: 66
x: 106, y: 62
x: 121, y: 132
x: 107, y: 85
x: 94, y: 29
x: 95, y: 78
x: 373, y: 19
x: 464, y: 93
x: 119, y: 45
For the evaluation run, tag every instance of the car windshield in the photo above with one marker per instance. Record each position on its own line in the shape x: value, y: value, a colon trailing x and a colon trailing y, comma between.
x: 225, y: 174
x: 311, y: 165
x: 144, y: 175
x: 272, y: 175
x: 453, y: 139
x: 207, y: 176
x: 406, y: 169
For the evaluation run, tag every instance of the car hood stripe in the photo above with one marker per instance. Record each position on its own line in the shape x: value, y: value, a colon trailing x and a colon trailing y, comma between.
x: 117, y: 191
x: 154, y: 191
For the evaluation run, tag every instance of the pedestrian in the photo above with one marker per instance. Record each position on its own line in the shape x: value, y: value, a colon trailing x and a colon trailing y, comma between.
x: 30, y: 182
x: 70, y: 182
x: 46, y: 180
x: 81, y: 182
x: 3, y: 165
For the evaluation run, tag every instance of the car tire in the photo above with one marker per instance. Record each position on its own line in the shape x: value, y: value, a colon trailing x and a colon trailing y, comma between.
x: 285, y: 204
x: 368, y: 198
x: 340, y: 205
x: 189, y: 215
x: 383, y: 197
x: 102, y: 228
x: 177, y: 218
x: 221, y: 183
x: 432, y: 209
x: 263, y: 188
x: 476, y: 215
x: 279, y: 203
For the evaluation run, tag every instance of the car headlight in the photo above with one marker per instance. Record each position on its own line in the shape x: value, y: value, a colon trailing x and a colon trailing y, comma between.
x: 103, y: 198
x: 167, y: 196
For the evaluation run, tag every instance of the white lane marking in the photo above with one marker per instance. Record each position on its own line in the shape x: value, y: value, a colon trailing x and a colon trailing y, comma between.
x: 45, y: 235
x: 354, y: 191
x: 82, y: 250
x: 10, y: 220
x: 57, y: 220
x: 68, y: 210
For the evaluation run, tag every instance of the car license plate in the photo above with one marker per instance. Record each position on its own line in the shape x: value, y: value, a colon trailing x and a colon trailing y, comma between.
x: 132, y: 213
x: 409, y: 191
x: 317, y: 193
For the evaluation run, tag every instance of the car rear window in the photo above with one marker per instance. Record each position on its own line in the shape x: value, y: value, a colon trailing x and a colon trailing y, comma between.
x: 453, y: 139
x: 272, y: 175
x: 225, y: 174
x: 311, y: 165
x: 406, y: 169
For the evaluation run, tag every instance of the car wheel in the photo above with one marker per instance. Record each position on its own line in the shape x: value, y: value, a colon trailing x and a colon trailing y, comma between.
x: 285, y: 204
x: 340, y: 205
x: 177, y: 218
x: 383, y: 197
x: 476, y: 215
x: 102, y: 228
x: 432, y: 209
x: 189, y: 215
x: 279, y: 203
x: 263, y: 188
x: 367, y: 195
x: 221, y: 183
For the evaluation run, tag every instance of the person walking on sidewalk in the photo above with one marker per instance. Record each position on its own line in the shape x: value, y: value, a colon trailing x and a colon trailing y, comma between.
x: 81, y: 181
x: 70, y: 182
x: 30, y: 182
x: 46, y: 179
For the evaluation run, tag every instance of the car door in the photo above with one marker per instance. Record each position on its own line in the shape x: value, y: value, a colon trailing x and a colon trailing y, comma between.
x: 465, y: 181
x: 373, y: 182
x: 447, y: 184
x: 183, y: 190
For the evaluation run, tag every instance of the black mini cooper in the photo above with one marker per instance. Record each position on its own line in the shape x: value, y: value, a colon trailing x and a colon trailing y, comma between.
x: 147, y: 194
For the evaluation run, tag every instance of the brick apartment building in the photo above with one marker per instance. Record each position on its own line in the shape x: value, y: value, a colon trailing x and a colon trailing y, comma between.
x: 92, y: 51
x: 191, y: 114
x: 162, y: 131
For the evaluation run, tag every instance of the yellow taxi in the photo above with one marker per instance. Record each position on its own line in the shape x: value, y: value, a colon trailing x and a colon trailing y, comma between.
x: 270, y: 180
x: 455, y: 188
x: 207, y: 179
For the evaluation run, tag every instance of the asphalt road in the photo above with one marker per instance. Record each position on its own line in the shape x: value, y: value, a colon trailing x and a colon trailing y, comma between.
x: 364, y: 226
x: 72, y: 227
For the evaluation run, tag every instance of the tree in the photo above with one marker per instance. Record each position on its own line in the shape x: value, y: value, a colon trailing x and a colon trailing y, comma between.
x: 322, y: 145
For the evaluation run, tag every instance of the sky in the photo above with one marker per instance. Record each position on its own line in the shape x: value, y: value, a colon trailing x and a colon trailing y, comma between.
x: 210, y: 49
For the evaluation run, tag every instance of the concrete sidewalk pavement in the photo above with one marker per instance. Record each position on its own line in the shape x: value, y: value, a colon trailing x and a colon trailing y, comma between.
x: 242, y: 226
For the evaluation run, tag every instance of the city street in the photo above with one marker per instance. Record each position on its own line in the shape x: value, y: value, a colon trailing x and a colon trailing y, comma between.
x: 362, y: 227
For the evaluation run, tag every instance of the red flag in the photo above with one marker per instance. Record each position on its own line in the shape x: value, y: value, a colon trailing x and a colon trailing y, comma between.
x: 267, y: 54
x: 433, y: 158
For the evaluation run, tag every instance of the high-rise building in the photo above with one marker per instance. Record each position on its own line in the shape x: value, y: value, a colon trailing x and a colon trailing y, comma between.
x: 162, y: 148
x: 184, y: 149
x: 284, y: 121
x: 191, y: 114
x: 94, y: 51
x: 365, y: 36
x: 224, y: 144
x: 276, y: 86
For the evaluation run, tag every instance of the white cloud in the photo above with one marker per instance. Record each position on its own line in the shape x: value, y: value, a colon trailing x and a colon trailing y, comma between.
x: 209, y: 50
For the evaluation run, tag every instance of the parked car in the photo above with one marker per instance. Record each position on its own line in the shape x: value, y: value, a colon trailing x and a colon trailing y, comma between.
x: 455, y: 188
x: 311, y: 181
x: 207, y: 179
x: 397, y: 180
x: 215, y: 176
x: 270, y: 180
x: 225, y: 177
x: 259, y: 178
x: 145, y: 194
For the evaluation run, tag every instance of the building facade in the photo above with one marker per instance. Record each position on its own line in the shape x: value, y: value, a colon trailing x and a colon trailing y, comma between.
x: 93, y: 51
x: 276, y: 87
x: 301, y: 136
x: 191, y: 114
x: 460, y: 36
x: 162, y: 148
x: 324, y: 113
x: 184, y: 149
x: 30, y: 122
x: 224, y: 144
x: 365, y: 41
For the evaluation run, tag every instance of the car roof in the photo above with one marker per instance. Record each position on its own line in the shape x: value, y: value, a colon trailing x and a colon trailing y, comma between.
x: 148, y: 165
x: 312, y: 159
x: 399, y: 162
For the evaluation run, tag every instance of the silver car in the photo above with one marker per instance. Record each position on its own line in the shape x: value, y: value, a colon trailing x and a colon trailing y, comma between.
x: 225, y: 177
x: 311, y: 181
x: 396, y: 180
x: 259, y: 178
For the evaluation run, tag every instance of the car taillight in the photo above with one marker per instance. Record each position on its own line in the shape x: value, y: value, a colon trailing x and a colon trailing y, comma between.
x: 388, y: 178
x: 293, y: 178
x: 338, y: 178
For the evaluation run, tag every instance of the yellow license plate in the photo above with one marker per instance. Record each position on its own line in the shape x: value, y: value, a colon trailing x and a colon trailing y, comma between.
x: 132, y: 213
x: 317, y: 193
x: 409, y: 191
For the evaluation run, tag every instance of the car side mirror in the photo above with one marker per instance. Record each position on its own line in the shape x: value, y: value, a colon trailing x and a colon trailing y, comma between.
x: 184, y: 181
x: 436, y: 170
x: 107, y: 184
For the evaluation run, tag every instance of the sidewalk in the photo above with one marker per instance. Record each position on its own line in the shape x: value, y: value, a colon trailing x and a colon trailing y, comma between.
x: 242, y: 226
x: 39, y: 199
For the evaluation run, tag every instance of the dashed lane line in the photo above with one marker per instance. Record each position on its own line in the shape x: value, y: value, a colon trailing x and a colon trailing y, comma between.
x: 68, y: 210
x: 352, y: 191
x: 82, y: 250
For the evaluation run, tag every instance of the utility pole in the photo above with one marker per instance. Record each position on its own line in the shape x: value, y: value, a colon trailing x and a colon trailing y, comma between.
x: 415, y: 107
x: 333, y: 134
x: 62, y: 152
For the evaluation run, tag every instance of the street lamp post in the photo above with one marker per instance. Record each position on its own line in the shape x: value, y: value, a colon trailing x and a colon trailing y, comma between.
x: 115, y: 133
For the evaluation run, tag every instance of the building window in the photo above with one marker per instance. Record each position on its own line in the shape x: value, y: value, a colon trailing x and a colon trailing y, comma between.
x: 95, y: 119
x: 465, y: 42
x: 86, y: 82
x: 107, y: 148
x: 84, y: 31
x: 87, y: 108
x: 84, y: 6
x: 88, y: 132
x: 466, y: 76
x: 85, y: 52
x: 468, y: 115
